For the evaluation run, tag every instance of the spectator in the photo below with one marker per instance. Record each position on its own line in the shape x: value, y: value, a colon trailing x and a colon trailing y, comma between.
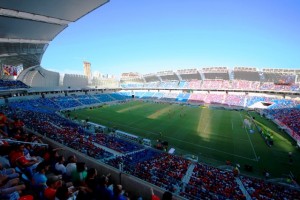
x: 3, y: 123
x: 53, y: 183
x: 103, y: 191
x: 59, y: 166
x: 18, y: 159
x: 118, y: 193
x: 8, y: 187
x: 4, y: 162
x: 79, y: 176
x: 39, y: 180
x: 9, y: 172
x: 71, y: 166
x: 153, y: 196
x: 63, y: 193
x: 18, y: 125
x: 167, y: 196
x: 91, y: 181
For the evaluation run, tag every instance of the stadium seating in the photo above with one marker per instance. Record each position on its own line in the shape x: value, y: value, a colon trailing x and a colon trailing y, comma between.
x: 197, y: 98
x: 164, y: 170
x: 151, y: 85
x: 245, y: 85
x: 211, y: 183
x: 118, y: 96
x: 182, y: 84
x: 12, y: 84
x: 183, y: 97
x: 212, y: 84
x: 66, y: 101
x: 169, y: 84
x: 103, y: 97
x: 194, y: 84
x: 169, y: 96
x: 259, y: 189
x: 215, y: 98
x: 87, y: 99
x: 235, y: 100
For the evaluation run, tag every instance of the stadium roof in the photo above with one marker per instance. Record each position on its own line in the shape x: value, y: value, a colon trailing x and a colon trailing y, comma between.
x: 27, y: 27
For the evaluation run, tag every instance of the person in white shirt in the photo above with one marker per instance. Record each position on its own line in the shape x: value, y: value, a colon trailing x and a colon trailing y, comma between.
x: 71, y: 166
x: 59, y: 166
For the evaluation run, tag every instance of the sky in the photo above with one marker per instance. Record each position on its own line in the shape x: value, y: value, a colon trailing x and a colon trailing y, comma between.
x: 148, y: 36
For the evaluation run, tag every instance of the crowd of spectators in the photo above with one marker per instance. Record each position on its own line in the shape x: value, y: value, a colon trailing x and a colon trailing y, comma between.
x: 49, y: 176
x: 161, y: 169
x: 115, y: 143
x: 217, y: 85
x: 287, y: 116
x: 212, y: 84
x: 194, y: 84
x: 260, y: 189
x: 169, y: 84
x: 197, y: 98
x: 235, y: 100
x: 215, y: 98
x: 36, y: 171
x: 212, y: 183
x: 279, y: 87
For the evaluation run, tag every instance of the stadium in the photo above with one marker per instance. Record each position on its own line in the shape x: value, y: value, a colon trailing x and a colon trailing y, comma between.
x: 197, y: 133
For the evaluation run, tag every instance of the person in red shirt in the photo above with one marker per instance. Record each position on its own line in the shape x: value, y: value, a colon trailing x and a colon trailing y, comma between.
x: 166, y: 196
x: 18, y: 125
x: 53, y: 183
x: 18, y: 159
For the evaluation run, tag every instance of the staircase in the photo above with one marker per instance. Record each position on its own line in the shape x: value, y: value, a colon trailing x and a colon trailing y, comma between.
x: 242, y: 187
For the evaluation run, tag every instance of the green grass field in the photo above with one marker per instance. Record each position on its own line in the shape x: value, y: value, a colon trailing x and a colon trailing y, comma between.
x: 214, y: 135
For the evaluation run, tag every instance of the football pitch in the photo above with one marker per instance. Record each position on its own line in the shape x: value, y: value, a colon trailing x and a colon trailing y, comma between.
x: 213, y: 135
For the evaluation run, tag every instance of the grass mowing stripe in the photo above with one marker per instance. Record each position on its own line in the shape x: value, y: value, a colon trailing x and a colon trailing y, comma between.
x: 201, y: 146
x: 183, y: 128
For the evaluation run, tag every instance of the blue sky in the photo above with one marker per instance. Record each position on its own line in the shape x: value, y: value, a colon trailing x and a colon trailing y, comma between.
x: 154, y: 35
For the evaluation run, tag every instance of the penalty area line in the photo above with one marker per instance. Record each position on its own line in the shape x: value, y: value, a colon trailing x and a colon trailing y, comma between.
x: 224, y: 152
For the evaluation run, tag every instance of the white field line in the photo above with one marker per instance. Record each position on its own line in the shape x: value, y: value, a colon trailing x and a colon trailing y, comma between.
x: 224, y: 152
x: 256, y: 159
x: 171, y: 138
